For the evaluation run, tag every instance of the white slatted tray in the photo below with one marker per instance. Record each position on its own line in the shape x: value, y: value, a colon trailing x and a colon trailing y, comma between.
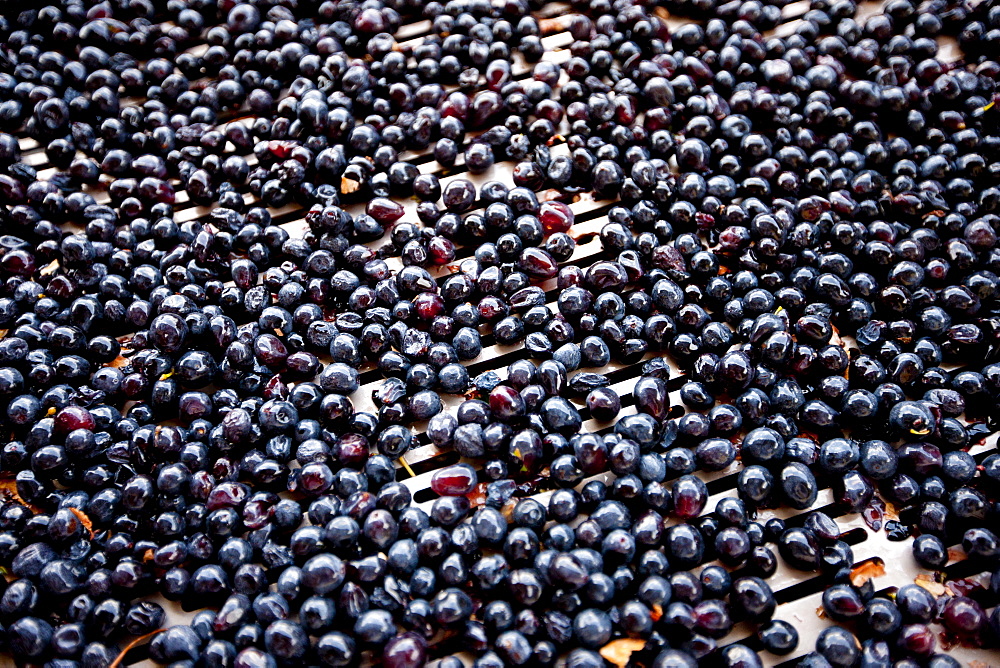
x: 799, y: 591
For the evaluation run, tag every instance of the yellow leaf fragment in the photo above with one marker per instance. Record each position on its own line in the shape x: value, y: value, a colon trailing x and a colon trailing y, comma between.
x: 407, y: 468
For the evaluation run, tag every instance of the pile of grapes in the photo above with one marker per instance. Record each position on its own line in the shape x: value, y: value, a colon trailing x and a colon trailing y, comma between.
x: 785, y: 241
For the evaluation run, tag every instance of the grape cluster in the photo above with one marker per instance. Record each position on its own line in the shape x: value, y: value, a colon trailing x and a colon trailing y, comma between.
x: 789, y: 236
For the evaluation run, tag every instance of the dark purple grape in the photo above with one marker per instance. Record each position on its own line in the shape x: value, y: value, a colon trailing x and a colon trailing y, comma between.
x: 603, y: 404
x: 454, y: 480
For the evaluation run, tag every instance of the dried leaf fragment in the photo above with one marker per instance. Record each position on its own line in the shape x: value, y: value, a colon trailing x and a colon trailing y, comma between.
x: 874, y: 568
x: 348, y: 186
x: 477, y: 496
x: 930, y: 584
x: 8, y: 491
x: 82, y: 516
x: 50, y: 268
x: 508, y: 510
x: 619, y: 651
x: 135, y: 643
x: 118, y: 362
x: 557, y: 24
x: 835, y: 339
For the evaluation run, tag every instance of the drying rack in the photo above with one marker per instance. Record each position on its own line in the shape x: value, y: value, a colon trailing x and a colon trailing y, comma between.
x: 798, y: 593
